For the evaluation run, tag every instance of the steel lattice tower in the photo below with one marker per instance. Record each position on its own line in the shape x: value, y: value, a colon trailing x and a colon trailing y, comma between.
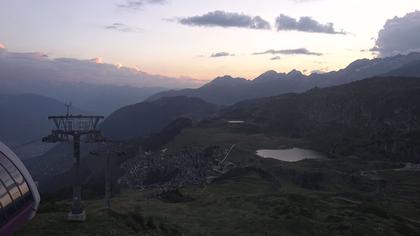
x: 71, y: 128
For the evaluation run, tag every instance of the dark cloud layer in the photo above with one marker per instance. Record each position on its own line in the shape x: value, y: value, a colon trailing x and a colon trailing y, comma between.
x: 139, y: 3
x: 304, y: 24
x: 298, y: 51
x: 226, y: 19
x: 400, y: 35
x: 222, y: 54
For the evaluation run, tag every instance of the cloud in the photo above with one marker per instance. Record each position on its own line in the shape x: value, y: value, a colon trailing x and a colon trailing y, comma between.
x: 226, y: 19
x: 122, y: 28
x: 2, y: 48
x: 222, y: 54
x: 304, y: 24
x: 400, y: 35
x: 318, y: 72
x: 97, y: 60
x: 275, y: 58
x: 298, y: 51
x: 140, y: 3
x: 39, y: 67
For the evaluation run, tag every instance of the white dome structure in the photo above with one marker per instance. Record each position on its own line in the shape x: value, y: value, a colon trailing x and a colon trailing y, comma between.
x: 19, y: 196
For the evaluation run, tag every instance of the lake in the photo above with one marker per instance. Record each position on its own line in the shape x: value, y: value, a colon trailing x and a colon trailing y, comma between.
x: 289, y: 155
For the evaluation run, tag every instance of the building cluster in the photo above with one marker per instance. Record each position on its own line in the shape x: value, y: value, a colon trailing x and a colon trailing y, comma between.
x: 190, y: 166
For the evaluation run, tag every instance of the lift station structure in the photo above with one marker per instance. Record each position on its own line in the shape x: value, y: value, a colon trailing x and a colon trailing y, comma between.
x: 74, y: 129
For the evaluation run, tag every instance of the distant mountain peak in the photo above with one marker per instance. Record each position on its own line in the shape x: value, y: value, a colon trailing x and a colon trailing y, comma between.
x: 225, y: 81
x: 295, y: 74
x: 358, y: 64
x: 267, y: 76
x: 269, y: 73
x: 225, y: 77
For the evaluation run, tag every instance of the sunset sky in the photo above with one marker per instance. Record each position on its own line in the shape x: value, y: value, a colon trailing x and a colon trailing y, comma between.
x: 201, y: 39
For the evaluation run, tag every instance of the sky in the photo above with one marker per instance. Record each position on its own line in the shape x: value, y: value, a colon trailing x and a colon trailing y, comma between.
x: 203, y: 39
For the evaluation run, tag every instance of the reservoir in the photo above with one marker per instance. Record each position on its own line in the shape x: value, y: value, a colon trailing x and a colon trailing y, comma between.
x: 289, y: 155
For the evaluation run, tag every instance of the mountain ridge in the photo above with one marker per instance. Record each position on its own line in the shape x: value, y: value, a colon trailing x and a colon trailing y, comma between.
x: 146, y: 118
x: 228, y: 90
x: 377, y: 116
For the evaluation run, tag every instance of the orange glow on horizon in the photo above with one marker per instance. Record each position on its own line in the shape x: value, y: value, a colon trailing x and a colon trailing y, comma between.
x: 98, y: 60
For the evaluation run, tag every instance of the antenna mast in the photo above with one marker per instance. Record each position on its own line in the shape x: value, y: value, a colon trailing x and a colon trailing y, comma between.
x: 68, y: 106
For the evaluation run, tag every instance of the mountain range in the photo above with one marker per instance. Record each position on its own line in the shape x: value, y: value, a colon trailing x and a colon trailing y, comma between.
x: 375, y: 118
x: 227, y: 90
x: 20, y: 111
x: 159, y: 110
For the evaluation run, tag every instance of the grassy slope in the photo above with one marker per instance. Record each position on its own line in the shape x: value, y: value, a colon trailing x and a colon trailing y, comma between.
x: 312, y: 197
x: 249, y: 205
